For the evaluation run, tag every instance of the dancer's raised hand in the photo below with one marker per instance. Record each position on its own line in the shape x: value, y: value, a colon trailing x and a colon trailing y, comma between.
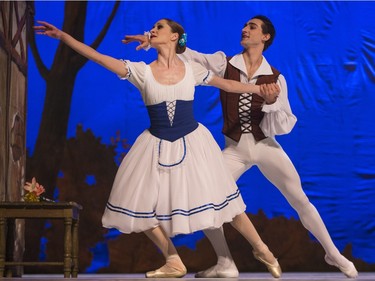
x: 143, y: 40
x: 48, y: 29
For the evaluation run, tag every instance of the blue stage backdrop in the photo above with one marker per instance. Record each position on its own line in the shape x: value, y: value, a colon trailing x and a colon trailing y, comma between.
x: 325, y: 50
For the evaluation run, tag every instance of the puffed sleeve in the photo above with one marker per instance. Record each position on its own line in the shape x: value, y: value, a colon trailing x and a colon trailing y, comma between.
x: 201, y: 75
x: 216, y: 62
x: 278, y: 118
x: 136, y: 73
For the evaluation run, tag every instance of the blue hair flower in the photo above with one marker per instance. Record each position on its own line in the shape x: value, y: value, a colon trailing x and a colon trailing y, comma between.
x: 183, y: 40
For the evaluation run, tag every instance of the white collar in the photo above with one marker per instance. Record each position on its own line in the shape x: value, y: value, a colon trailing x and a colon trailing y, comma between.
x: 238, y: 62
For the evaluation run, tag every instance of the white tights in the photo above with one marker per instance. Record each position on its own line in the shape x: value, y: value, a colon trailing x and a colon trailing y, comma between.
x: 276, y: 166
x: 243, y: 224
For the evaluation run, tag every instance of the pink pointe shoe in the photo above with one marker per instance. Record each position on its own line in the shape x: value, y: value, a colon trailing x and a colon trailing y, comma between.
x: 274, y: 268
x: 166, y: 272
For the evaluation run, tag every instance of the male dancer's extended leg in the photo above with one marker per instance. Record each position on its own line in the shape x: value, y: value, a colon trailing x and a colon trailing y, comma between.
x: 276, y: 166
x: 173, y: 267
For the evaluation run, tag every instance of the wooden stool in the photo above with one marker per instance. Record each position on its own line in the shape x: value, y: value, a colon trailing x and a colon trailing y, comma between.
x: 69, y: 211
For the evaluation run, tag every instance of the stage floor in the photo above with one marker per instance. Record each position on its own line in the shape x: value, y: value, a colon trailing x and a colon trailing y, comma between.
x: 288, y: 276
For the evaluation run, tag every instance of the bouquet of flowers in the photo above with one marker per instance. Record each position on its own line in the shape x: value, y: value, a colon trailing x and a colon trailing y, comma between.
x: 33, y: 191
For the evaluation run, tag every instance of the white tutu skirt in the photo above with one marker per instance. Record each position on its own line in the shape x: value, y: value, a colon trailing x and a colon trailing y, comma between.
x: 182, y: 186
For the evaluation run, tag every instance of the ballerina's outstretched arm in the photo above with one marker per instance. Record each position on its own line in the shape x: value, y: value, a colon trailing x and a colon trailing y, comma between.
x: 112, y: 64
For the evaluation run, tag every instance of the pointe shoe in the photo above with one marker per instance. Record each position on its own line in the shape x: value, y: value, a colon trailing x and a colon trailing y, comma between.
x: 166, y: 272
x: 216, y: 272
x: 274, y: 269
x: 350, y: 271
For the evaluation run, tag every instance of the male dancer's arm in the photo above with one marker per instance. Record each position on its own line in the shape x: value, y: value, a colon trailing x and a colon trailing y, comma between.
x: 216, y: 62
x: 278, y: 118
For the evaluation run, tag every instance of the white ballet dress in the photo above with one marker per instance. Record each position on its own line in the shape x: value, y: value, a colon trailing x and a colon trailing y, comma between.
x: 174, y: 175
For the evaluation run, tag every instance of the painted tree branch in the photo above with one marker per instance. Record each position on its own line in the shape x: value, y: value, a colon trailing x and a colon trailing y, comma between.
x: 82, y: 60
x: 43, y: 70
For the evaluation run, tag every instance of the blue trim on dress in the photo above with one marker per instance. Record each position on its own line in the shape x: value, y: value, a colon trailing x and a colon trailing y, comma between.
x: 205, y: 78
x: 175, y: 164
x: 196, y: 210
x: 141, y: 215
x: 127, y: 76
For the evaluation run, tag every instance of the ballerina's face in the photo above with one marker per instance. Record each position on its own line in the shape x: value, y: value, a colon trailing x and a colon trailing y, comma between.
x: 161, y: 33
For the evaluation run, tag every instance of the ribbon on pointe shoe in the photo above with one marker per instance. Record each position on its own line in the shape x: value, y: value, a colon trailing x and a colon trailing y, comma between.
x: 166, y: 272
x: 274, y: 269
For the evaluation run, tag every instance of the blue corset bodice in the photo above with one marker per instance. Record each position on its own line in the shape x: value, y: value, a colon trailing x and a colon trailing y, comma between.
x: 183, y: 120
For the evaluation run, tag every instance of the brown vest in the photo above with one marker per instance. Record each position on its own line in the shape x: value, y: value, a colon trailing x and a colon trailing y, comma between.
x: 230, y: 105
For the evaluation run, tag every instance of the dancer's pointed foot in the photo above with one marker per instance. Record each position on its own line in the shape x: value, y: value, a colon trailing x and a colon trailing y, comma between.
x: 173, y: 268
x: 223, y: 269
x: 166, y: 271
x: 274, y: 268
x: 346, y: 266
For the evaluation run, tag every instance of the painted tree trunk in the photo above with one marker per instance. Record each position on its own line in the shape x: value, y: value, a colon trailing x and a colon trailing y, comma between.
x: 13, y: 65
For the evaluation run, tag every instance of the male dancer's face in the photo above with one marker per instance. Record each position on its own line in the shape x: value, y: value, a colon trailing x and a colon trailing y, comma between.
x: 252, y: 34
